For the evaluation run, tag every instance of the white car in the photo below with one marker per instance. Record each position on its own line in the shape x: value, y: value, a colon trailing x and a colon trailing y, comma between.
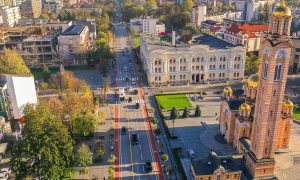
x: 5, y: 170
x: 3, y: 176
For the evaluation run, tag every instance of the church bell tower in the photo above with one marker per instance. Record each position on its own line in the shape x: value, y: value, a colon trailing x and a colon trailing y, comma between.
x: 274, y: 55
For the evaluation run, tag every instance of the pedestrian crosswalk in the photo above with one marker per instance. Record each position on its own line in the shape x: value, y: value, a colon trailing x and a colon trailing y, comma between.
x: 129, y: 78
x: 141, y: 101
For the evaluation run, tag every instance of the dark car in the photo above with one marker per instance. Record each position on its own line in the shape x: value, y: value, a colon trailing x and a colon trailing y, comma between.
x: 135, y: 91
x: 134, y: 139
x: 148, y: 166
x: 123, y: 130
x: 137, y: 105
x: 130, y: 99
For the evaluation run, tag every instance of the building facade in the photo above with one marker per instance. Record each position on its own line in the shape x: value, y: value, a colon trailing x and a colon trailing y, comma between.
x: 295, y: 62
x: 258, y: 123
x: 147, y: 25
x: 15, y: 93
x: 246, y: 35
x: 73, y: 43
x: 206, y: 60
x: 198, y: 14
x: 31, y: 8
x: 9, y: 16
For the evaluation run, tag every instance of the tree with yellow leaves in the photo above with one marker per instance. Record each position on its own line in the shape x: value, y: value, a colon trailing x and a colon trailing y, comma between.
x: 12, y: 63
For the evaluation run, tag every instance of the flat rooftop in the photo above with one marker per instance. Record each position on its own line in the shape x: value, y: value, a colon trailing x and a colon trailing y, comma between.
x: 39, y: 38
x: 73, y: 30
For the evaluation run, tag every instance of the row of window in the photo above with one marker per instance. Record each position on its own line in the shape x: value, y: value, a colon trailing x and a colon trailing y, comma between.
x: 277, y: 74
x: 212, y: 59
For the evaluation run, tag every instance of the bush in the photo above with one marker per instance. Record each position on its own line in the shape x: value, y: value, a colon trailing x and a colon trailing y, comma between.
x: 197, y: 111
x: 100, y: 150
x: 157, y: 131
x: 153, y: 120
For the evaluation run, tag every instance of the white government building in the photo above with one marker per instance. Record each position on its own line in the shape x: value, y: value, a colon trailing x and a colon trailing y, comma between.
x: 206, y: 59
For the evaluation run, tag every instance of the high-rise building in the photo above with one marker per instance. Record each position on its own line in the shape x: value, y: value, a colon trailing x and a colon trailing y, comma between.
x: 198, y: 14
x: 9, y: 16
x: 31, y: 8
x: 275, y: 56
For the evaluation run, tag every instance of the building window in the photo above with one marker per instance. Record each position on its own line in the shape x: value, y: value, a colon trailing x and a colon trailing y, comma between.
x: 174, y: 77
x: 277, y: 75
x: 197, y: 67
x: 159, y: 78
x: 265, y: 72
x: 170, y: 77
x: 202, y: 68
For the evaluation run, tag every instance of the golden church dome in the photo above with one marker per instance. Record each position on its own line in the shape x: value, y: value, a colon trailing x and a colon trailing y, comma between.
x: 288, y: 104
x: 282, y: 10
x: 252, y: 81
x: 245, y: 107
x: 227, y: 90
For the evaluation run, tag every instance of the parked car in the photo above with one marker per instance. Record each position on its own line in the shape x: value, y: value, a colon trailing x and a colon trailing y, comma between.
x: 3, y: 176
x: 134, y: 139
x: 191, y: 153
x: 130, y: 99
x: 135, y: 91
x: 5, y: 170
x: 148, y: 166
x: 123, y: 130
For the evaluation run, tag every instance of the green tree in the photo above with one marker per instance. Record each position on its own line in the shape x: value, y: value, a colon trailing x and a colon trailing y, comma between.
x: 186, y: 113
x: 197, y: 111
x: 111, y: 173
x: 154, y: 120
x: 251, y: 65
x: 188, y: 4
x: 46, y: 73
x: 47, y: 148
x: 157, y: 131
x: 174, y: 113
x: 12, y: 63
x: 111, y: 159
x: 165, y: 157
x: 84, y: 155
x: 100, y: 150
x: 83, y: 125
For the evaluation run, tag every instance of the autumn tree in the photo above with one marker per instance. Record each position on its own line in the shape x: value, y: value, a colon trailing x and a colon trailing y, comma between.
x: 46, y: 73
x: 12, y: 63
x: 84, y: 155
x: 47, y: 148
x: 188, y: 4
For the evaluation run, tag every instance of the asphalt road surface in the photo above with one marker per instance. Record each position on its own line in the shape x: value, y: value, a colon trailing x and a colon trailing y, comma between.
x: 130, y: 163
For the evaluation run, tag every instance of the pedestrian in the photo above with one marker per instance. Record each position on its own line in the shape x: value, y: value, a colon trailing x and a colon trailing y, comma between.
x: 90, y: 147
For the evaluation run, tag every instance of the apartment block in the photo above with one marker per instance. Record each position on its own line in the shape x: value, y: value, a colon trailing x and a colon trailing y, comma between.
x: 9, y: 16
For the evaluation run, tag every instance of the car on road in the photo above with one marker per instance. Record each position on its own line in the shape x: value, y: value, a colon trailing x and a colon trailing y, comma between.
x: 137, y: 105
x: 134, y: 139
x: 3, y: 176
x: 123, y: 130
x: 130, y: 99
x: 5, y: 170
x: 148, y: 166
x: 191, y: 153
x: 135, y: 91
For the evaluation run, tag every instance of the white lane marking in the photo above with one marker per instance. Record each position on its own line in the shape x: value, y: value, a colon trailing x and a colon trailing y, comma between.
x: 140, y: 146
x: 142, y: 156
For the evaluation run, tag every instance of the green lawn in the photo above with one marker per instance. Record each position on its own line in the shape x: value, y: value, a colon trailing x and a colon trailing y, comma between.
x: 167, y: 102
x: 38, y: 72
x: 297, y: 115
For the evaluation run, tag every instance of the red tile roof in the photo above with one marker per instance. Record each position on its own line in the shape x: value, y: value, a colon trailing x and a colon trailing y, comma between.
x: 246, y: 29
x: 215, y: 28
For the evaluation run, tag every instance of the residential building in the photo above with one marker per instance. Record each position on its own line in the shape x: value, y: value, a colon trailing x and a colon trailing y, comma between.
x: 252, y: 9
x: 228, y: 15
x: 198, y: 14
x: 9, y: 3
x: 206, y: 59
x: 147, y: 25
x: 9, y: 16
x: 258, y: 120
x: 15, y: 93
x: 39, y: 50
x: 245, y: 34
x: 58, y: 25
x: 31, y: 8
x: 73, y: 44
x: 91, y: 24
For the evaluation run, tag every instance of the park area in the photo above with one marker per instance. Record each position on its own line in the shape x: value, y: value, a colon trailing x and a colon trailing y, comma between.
x: 167, y: 102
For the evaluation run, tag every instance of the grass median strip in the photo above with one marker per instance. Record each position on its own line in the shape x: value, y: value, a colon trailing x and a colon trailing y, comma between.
x: 167, y: 102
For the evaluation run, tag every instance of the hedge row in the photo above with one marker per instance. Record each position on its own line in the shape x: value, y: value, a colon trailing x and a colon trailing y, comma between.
x: 163, y: 119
